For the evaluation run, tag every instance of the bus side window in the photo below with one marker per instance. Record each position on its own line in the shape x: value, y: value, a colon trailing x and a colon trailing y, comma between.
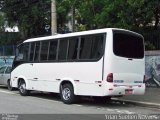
x: 62, y: 53
x: 91, y: 47
x: 97, y: 46
x: 44, y: 50
x: 31, y: 54
x: 73, y: 48
x: 36, y: 53
x: 85, y: 47
x: 53, y: 50
x: 22, y: 52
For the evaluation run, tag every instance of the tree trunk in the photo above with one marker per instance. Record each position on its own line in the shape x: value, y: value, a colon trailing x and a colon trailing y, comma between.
x: 156, y: 19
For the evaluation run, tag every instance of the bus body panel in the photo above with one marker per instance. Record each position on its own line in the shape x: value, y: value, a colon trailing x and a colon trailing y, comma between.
x: 128, y: 73
x: 83, y: 75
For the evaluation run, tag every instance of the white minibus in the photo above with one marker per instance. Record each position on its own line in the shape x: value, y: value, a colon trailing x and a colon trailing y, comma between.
x: 99, y: 63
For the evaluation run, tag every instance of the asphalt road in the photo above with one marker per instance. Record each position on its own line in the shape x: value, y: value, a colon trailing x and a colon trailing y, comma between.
x: 48, y: 106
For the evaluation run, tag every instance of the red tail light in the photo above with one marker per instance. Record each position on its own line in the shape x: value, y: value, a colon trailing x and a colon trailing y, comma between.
x: 109, y: 77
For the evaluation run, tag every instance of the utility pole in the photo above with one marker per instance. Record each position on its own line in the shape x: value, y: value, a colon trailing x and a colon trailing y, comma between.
x: 53, y: 17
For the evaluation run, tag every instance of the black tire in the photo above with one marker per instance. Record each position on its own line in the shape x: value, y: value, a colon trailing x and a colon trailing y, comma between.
x: 9, y: 86
x: 67, y: 94
x: 22, y: 89
x: 102, y: 99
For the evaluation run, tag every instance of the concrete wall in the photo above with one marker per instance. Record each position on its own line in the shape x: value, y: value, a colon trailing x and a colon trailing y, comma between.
x: 152, y: 69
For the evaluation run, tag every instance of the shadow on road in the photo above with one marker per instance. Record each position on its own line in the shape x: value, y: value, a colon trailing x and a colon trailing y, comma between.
x: 86, y: 101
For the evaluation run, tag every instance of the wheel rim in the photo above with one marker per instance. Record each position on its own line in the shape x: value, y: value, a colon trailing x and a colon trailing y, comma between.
x: 66, y: 93
x: 22, y: 88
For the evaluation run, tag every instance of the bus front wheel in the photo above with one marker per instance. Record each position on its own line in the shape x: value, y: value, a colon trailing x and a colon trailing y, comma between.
x: 67, y: 93
x: 22, y: 89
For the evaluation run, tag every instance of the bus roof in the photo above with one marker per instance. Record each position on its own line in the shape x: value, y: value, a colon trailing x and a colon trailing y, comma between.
x: 56, y: 36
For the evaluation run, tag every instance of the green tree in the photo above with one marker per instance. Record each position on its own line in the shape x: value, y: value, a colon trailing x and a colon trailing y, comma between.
x: 123, y: 13
x: 130, y: 14
x: 30, y: 15
x: 154, y: 11
x: 2, y: 18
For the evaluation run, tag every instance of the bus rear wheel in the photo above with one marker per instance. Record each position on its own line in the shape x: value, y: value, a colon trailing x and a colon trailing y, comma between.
x: 67, y: 94
x: 22, y: 89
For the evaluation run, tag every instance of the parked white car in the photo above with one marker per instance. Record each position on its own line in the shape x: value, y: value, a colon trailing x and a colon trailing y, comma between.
x: 5, y: 76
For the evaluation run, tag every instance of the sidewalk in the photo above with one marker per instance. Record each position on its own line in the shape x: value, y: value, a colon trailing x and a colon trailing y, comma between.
x: 150, y: 98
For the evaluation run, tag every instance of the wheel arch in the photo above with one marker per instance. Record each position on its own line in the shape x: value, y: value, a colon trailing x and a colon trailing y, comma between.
x: 69, y: 81
x: 22, y: 79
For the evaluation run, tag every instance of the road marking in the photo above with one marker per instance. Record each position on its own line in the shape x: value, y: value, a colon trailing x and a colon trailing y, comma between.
x: 119, y: 111
x: 32, y: 97
x: 2, y: 91
x: 110, y: 110
x: 78, y: 105
x: 128, y: 112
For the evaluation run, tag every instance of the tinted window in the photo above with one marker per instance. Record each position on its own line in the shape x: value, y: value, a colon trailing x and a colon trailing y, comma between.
x: 23, y: 51
x: 31, y: 54
x: 44, y: 50
x: 36, y: 55
x: 62, y: 53
x: 73, y: 48
x: 127, y: 44
x: 85, y: 48
x: 91, y: 46
x: 53, y: 50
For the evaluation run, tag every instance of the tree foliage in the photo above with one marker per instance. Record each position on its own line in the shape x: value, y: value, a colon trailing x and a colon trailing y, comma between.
x: 128, y: 14
x: 32, y: 15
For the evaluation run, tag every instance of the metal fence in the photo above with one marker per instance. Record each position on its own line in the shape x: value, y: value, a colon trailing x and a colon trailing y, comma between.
x: 151, y: 38
x: 7, y: 50
x: 7, y: 54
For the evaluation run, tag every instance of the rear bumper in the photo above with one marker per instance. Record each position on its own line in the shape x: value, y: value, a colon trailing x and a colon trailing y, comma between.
x: 121, y: 90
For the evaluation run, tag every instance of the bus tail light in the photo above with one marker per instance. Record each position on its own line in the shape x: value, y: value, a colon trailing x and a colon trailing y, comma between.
x: 109, y: 77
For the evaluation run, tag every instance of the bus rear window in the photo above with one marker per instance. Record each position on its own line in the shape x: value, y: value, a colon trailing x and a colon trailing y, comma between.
x: 127, y: 44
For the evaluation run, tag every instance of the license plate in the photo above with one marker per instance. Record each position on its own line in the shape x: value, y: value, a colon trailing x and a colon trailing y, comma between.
x: 128, y: 91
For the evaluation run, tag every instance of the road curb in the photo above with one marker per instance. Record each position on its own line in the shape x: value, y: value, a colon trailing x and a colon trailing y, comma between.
x: 139, y: 103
